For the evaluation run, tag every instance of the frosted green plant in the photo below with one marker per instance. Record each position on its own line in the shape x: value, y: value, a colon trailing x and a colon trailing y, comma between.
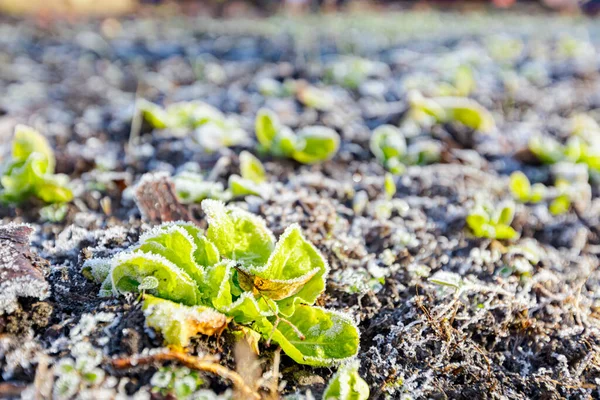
x: 522, y: 190
x: 192, y: 187
x: 310, y: 145
x: 347, y: 384
x: 180, y: 382
x: 351, y: 71
x: 389, y: 146
x: 29, y: 172
x: 212, y: 129
x: 485, y: 221
x: 450, y: 109
x: 237, y: 271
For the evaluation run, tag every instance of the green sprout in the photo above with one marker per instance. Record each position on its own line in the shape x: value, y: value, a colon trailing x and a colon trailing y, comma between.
x: 576, y: 150
x: 235, y: 271
x: 191, y: 187
x: 252, y: 180
x: 29, y: 172
x: 310, y: 145
x: 389, y: 186
x: 487, y: 222
x: 389, y: 147
x: 212, y: 129
x: 314, y: 97
x: 450, y: 109
x: 504, y: 48
x: 347, y: 384
x: 180, y: 383
x: 462, y: 83
x: 523, y: 191
x: 350, y: 71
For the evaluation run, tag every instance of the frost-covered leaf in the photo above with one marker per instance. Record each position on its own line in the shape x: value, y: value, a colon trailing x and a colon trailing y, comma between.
x: 329, y: 337
x: 191, y: 187
x: 318, y: 98
x: 192, y: 114
x: 241, y: 187
x: 18, y: 276
x: 315, y: 144
x: 266, y: 126
x: 487, y: 222
x: 445, y: 278
x: 154, y: 114
x: 28, y: 141
x: 175, y: 244
x: 295, y: 272
x: 129, y: 270
x: 178, y: 323
x: 560, y: 205
x: 216, y: 289
x: 387, y: 142
x: 54, y: 212
x: 251, y: 168
x: 347, y: 384
x: 30, y: 171
x: 238, y: 234
x: 468, y: 112
x: 520, y: 187
x: 215, y: 135
x: 248, y: 308
x: 546, y: 149
x: 389, y: 185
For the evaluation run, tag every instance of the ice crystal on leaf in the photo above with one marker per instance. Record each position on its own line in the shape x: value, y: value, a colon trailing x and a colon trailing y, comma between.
x: 236, y: 270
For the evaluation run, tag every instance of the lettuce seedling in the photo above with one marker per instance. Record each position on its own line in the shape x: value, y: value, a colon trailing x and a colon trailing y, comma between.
x: 191, y: 187
x: 179, y: 383
x: 347, y: 384
x: 451, y: 109
x: 235, y: 271
x: 310, y: 145
x: 523, y: 191
x: 252, y: 180
x: 30, y: 171
x: 350, y: 72
x: 575, y: 150
x: 389, y: 146
x: 212, y: 129
x: 318, y: 98
x: 487, y: 222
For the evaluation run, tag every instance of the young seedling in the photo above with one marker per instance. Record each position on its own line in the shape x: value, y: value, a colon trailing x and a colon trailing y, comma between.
x: 451, y: 109
x: 389, y: 147
x: 212, y: 129
x: 235, y: 271
x: 575, y: 150
x: 523, y: 191
x: 29, y: 172
x: 487, y: 222
x: 350, y: 72
x: 347, y: 384
x: 252, y: 180
x: 310, y: 145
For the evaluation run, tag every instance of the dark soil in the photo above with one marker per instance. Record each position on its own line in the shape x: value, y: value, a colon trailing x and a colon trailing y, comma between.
x: 505, y: 335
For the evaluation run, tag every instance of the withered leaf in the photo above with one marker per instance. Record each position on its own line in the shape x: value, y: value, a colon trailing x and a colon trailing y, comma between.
x: 157, y: 201
x: 19, y: 277
x: 273, y: 288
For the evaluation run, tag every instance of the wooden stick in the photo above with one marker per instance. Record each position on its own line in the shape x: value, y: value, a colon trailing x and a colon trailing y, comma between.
x: 207, y: 364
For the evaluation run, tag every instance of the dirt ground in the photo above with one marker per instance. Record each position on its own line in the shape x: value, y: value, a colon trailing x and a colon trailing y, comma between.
x: 506, y: 333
